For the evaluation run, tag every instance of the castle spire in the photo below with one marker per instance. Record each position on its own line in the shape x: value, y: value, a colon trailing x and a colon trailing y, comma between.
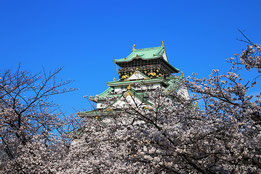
x: 133, y: 48
x: 162, y: 44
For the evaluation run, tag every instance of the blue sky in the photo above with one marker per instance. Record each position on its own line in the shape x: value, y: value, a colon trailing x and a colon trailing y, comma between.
x: 85, y: 36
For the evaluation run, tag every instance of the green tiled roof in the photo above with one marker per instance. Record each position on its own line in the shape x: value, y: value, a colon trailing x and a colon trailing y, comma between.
x: 174, y: 82
x: 146, y: 81
x: 145, y: 54
x: 140, y: 96
x: 104, y: 94
x: 106, y: 112
x: 98, y: 112
x: 102, y: 97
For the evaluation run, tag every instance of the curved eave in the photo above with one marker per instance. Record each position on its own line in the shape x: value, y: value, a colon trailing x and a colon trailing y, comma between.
x: 175, y: 70
x: 100, y: 99
x: 133, y: 58
x: 144, y: 53
x: 99, y: 112
x: 119, y: 61
x: 102, y: 95
x: 126, y: 83
x: 92, y: 98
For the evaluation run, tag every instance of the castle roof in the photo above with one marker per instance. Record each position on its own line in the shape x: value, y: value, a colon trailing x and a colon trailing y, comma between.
x: 147, y: 54
x: 172, y: 83
x: 144, y: 53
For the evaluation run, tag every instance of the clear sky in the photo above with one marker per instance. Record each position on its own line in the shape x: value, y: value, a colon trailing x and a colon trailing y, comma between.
x: 85, y: 36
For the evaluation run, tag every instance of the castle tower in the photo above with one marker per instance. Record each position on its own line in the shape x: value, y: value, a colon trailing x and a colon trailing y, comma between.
x: 141, y: 72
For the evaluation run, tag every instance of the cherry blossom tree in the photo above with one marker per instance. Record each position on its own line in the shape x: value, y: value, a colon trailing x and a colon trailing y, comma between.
x: 29, y: 124
x: 221, y: 136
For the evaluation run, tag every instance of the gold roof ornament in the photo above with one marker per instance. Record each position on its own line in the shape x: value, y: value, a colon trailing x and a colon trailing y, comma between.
x: 196, y: 104
x: 109, y: 109
x: 128, y: 93
x: 182, y: 74
x: 162, y: 44
x: 124, y: 76
x: 129, y: 87
x: 96, y: 117
x: 146, y: 107
x: 133, y: 47
x: 114, y: 79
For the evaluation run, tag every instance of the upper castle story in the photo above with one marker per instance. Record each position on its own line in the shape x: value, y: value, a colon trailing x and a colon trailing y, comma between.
x: 152, y: 62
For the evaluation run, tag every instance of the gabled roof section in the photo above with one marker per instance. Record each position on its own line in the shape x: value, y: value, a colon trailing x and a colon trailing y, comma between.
x: 174, y: 83
x: 140, y: 96
x: 144, y: 53
x: 102, y: 95
x: 137, y: 75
